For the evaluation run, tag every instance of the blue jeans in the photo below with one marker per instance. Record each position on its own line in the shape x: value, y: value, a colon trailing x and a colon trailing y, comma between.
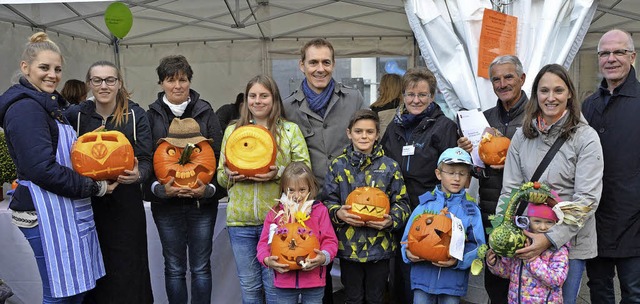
x: 33, y: 237
x: 421, y: 297
x: 291, y: 295
x: 185, y: 228
x: 254, y: 278
x: 601, y: 272
x: 571, y: 286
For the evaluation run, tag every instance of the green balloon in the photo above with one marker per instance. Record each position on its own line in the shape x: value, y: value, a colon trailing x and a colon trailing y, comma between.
x: 118, y: 19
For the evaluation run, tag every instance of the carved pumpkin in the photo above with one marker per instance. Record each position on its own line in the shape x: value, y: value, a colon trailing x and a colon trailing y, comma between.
x: 430, y: 236
x: 370, y: 203
x: 292, y: 244
x: 102, y: 155
x: 493, y: 149
x: 186, y: 165
x: 250, y: 150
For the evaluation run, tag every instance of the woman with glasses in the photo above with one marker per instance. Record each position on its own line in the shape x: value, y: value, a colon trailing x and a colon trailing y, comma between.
x: 120, y: 217
x: 416, y: 137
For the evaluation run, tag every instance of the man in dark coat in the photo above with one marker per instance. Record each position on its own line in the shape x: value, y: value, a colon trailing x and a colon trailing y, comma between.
x: 507, y: 77
x: 613, y: 112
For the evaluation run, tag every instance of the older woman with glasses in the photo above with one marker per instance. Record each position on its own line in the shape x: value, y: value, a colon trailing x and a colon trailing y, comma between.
x: 415, y: 138
x: 120, y: 217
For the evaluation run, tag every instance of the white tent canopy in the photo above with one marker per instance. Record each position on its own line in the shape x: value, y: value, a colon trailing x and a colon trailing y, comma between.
x: 226, y: 41
x: 229, y: 41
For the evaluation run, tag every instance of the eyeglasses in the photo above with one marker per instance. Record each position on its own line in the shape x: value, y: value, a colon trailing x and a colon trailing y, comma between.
x: 616, y: 53
x: 411, y: 96
x: 457, y: 174
x: 97, y: 81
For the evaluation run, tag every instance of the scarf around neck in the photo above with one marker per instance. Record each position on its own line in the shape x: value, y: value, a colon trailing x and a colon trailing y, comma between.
x: 177, y: 110
x: 318, y: 102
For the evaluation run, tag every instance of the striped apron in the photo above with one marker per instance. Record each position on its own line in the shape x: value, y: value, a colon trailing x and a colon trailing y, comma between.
x: 68, y: 233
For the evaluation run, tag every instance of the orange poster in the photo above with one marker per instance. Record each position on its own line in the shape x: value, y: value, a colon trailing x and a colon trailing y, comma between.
x: 498, y: 37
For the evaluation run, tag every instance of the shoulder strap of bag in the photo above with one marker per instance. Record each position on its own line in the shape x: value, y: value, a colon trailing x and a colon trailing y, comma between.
x: 543, y: 166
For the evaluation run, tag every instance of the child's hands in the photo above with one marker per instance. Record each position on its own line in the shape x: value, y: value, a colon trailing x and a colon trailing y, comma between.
x: 349, y: 218
x: 413, y: 258
x: 448, y: 263
x: 273, y: 171
x: 270, y: 261
x: 491, y: 257
x: 386, y: 222
x: 310, y: 264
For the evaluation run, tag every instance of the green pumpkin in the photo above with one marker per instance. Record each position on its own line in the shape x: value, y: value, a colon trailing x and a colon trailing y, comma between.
x: 506, y: 238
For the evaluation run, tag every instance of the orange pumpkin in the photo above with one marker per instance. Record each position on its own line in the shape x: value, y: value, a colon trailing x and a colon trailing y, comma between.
x: 14, y: 184
x: 250, y: 150
x: 186, y: 165
x: 102, y: 155
x: 429, y: 236
x: 293, y: 243
x: 493, y: 149
x: 370, y: 203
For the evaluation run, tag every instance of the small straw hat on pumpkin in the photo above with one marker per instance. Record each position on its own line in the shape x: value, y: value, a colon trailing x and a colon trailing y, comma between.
x: 182, y: 132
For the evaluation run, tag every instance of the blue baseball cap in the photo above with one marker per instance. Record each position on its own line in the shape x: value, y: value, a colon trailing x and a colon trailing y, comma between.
x: 455, y: 156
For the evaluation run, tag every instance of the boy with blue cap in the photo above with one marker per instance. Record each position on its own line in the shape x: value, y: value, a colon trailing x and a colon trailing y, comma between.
x: 446, y: 281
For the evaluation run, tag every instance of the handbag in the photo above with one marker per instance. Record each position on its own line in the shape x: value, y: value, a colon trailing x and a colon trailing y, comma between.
x: 543, y: 166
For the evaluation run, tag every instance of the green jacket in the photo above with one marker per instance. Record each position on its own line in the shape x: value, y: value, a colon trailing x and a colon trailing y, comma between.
x: 250, y: 201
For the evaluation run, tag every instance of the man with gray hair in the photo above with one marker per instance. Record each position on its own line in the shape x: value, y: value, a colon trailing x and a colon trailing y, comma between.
x: 507, y: 77
x: 613, y: 112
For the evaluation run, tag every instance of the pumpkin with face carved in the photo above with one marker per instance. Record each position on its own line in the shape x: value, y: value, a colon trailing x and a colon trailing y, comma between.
x: 102, y: 155
x: 429, y: 236
x: 250, y: 150
x: 292, y: 244
x: 186, y: 164
x: 370, y: 203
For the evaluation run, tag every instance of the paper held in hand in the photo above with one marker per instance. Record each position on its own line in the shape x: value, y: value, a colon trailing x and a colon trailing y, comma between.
x: 472, y: 123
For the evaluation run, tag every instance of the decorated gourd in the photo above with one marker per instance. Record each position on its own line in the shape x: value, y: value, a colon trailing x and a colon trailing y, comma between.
x: 430, y: 235
x: 293, y: 240
x: 370, y: 203
x: 186, y: 164
x: 507, y: 237
x: 493, y: 148
x: 250, y: 150
x: 102, y: 155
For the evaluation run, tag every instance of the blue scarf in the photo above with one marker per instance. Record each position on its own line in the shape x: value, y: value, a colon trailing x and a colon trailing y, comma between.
x: 318, y: 102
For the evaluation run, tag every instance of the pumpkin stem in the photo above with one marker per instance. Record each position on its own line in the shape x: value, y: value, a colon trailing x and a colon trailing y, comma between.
x: 186, y: 154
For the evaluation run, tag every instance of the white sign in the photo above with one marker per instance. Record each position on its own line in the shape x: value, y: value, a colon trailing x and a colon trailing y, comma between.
x: 456, y: 247
x: 472, y: 125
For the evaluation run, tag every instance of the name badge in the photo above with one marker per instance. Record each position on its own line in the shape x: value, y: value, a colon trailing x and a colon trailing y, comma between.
x: 408, y: 150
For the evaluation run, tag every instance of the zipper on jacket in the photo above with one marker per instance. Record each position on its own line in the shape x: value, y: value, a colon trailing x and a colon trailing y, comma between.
x: 297, y: 277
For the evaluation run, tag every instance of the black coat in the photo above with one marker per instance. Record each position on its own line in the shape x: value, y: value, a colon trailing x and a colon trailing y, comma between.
x: 160, y: 117
x: 431, y: 137
x: 120, y: 217
x: 618, y: 215
x: 490, y: 180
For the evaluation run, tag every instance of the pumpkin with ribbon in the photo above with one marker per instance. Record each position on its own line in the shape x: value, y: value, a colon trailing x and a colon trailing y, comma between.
x: 293, y: 241
x: 430, y: 236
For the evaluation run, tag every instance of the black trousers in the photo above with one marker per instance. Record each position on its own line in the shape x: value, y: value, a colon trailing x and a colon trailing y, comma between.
x: 364, y: 282
x: 601, y: 272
